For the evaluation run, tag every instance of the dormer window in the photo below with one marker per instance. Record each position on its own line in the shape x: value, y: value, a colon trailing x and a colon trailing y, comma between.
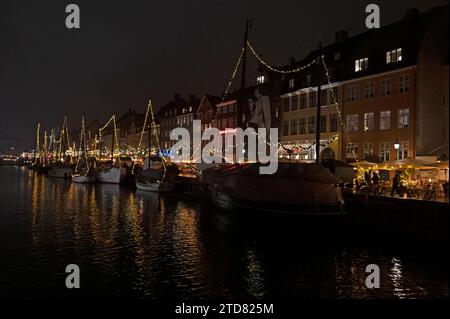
x: 308, y: 80
x: 337, y: 56
x: 260, y: 79
x: 394, y: 56
x: 361, y: 64
x: 291, y: 83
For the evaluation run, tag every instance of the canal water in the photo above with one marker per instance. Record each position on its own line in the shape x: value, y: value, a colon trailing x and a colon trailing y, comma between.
x: 134, y: 244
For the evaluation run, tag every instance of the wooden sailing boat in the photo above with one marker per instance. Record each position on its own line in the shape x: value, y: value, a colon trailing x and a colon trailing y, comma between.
x: 61, y: 167
x: 111, y: 172
x: 153, y: 180
x: 84, y: 172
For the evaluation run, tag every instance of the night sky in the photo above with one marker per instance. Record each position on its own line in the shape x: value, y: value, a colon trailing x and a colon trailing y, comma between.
x: 129, y: 51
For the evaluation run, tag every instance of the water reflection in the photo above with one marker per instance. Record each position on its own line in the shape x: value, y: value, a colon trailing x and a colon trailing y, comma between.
x: 139, y: 244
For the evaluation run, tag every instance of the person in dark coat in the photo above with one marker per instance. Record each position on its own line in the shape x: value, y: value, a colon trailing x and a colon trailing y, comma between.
x: 375, y: 182
x: 396, y: 185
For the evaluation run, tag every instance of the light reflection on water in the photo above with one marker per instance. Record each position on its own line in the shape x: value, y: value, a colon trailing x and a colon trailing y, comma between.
x: 139, y: 244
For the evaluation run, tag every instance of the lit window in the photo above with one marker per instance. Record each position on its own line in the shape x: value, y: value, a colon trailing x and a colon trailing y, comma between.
x: 403, y: 118
x: 361, y: 64
x: 384, y: 152
x: 368, y: 121
x: 385, y: 120
x: 394, y: 56
x: 352, y: 122
x: 260, y: 79
x: 351, y: 150
x: 367, y: 150
x: 402, y: 151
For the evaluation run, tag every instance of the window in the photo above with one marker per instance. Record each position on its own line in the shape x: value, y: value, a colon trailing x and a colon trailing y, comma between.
x: 394, y: 56
x: 403, y: 118
x: 291, y: 83
x: 312, y: 125
x: 351, y: 150
x: 285, y: 128
x: 323, y: 97
x: 385, y: 120
x: 294, y: 127
x: 369, y: 90
x: 337, y: 56
x: 352, y: 93
x: 308, y: 80
x: 301, y: 126
x: 260, y: 79
x: 333, y: 122
x: 384, y: 152
x: 302, y: 100
x: 312, y: 99
x: 361, y: 64
x: 367, y: 150
x: 403, y: 84
x: 323, y: 124
x: 385, y: 87
x: 294, y: 102
x: 286, y: 104
x: 402, y: 152
x: 352, y: 122
x: 368, y: 122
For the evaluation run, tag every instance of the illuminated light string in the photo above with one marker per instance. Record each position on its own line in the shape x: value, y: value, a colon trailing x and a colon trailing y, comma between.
x: 258, y: 57
x: 233, y: 75
x: 333, y: 94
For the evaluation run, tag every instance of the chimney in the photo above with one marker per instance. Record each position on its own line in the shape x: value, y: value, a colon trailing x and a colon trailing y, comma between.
x: 191, y: 98
x: 340, y: 36
x: 176, y: 97
x: 411, y: 14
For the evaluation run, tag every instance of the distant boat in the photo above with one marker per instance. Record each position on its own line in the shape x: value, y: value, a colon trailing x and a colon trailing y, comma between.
x: 158, y: 177
x: 297, y: 188
x: 84, y: 170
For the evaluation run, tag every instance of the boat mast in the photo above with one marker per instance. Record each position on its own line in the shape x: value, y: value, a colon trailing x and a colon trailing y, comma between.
x: 113, y: 139
x: 319, y: 78
x: 243, y: 79
x: 37, y: 153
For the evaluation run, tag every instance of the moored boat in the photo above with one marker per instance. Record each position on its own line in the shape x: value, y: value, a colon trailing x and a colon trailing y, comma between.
x: 113, y: 175
x: 299, y: 188
x: 60, y: 172
x: 83, y: 179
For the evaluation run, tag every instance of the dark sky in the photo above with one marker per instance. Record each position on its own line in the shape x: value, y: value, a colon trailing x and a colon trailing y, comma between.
x: 129, y: 51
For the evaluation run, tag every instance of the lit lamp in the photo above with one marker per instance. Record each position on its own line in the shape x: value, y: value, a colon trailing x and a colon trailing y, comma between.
x: 396, y: 146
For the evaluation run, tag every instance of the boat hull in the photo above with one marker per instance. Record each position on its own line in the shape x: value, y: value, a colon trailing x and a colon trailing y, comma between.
x: 114, y: 175
x: 89, y: 179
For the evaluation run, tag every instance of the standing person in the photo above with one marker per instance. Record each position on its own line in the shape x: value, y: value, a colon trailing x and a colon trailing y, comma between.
x: 396, y: 184
x: 375, y: 181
